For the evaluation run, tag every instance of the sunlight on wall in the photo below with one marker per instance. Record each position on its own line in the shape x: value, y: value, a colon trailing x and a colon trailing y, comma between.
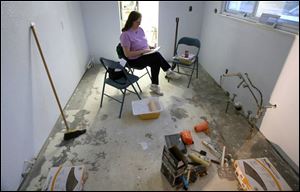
x: 149, y: 11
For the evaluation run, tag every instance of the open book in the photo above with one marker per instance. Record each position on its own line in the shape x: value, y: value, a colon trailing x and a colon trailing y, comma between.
x: 152, y: 51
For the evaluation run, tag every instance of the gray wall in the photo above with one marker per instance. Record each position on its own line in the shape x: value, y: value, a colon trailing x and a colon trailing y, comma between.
x: 242, y: 47
x: 102, y: 26
x: 28, y: 107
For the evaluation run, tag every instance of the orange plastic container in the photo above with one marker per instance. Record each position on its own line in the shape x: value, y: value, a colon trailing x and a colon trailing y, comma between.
x: 186, y: 137
x: 203, y: 126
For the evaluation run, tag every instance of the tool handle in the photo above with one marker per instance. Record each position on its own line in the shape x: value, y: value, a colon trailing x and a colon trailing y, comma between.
x: 48, y: 73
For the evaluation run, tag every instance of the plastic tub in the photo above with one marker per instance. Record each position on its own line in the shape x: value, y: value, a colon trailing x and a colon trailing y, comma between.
x: 148, y: 108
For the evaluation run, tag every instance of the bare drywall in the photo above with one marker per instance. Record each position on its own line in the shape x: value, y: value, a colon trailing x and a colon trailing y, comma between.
x: 102, y: 27
x: 190, y: 23
x: 281, y: 126
x: 28, y: 107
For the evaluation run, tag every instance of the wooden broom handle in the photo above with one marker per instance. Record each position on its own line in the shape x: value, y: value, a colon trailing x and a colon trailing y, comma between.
x: 48, y: 73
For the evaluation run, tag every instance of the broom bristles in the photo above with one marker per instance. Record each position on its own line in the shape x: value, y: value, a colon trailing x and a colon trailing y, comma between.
x: 72, y: 134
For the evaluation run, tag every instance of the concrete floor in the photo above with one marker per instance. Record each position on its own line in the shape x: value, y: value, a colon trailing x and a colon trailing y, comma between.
x: 125, y: 154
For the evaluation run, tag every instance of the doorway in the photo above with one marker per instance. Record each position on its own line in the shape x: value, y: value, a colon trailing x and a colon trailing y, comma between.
x: 149, y: 11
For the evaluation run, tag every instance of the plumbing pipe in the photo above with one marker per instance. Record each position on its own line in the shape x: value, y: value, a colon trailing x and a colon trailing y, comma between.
x: 241, y: 83
x: 249, y: 113
x: 232, y: 100
x: 234, y: 95
x: 222, y: 159
x: 270, y: 106
x: 227, y: 106
x: 232, y: 74
x: 261, y: 97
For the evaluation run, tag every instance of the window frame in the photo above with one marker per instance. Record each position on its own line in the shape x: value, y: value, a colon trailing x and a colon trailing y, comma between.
x: 282, y: 24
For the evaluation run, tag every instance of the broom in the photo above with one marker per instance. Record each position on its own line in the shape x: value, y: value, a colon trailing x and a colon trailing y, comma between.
x: 71, y: 133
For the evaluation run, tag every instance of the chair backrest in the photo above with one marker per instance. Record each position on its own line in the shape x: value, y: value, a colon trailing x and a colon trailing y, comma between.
x: 190, y: 42
x: 107, y: 63
x: 120, y: 52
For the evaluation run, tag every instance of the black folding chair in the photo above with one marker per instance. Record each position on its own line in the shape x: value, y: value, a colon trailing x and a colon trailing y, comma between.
x: 187, y: 41
x: 121, y: 55
x: 122, y: 84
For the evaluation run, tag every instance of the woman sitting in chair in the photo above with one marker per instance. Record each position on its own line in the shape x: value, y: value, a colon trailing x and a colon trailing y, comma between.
x: 134, y: 44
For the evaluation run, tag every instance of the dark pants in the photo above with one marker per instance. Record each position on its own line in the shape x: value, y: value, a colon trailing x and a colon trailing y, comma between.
x: 155, y: 61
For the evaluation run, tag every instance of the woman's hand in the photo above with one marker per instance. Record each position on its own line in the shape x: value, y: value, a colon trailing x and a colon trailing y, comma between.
x: 146, y: 50
x: 129, y: 53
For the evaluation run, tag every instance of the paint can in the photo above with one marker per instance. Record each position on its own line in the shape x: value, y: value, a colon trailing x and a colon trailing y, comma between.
x: 203, y: 126
x: 186, y: 54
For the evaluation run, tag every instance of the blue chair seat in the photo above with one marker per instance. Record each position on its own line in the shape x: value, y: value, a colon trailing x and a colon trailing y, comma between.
x: 122, y: 83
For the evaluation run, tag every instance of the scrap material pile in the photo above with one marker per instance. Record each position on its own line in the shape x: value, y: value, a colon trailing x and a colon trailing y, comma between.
x: 182, y: 166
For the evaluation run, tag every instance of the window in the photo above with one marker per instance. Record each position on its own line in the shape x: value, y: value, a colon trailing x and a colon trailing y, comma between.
x: 285, y: 12
x: 240, y: 7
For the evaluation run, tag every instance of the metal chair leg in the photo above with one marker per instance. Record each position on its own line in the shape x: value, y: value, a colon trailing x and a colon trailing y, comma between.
x: 136, y: 91
x: 122, y: 103
x: 191, y: 76
x: 139, y: 87
x: 197, y: 68
x: 148, y: 73
x: 102, y: 93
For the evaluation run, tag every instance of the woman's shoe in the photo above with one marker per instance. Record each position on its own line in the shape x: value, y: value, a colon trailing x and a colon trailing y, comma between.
x: 156, y: 89
x: 172, y: 75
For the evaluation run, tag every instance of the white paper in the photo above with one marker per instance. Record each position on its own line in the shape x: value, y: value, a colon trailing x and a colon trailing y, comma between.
x: 152, y: 51
x: 123, y: 63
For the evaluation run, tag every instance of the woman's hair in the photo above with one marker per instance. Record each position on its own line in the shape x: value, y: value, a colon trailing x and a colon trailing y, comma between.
x: 133, y: 16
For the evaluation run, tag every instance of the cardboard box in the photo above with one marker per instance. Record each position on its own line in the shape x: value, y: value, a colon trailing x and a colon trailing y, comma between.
x: 259, y: 174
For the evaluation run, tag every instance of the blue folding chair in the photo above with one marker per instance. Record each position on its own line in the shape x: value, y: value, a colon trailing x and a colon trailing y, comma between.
x: 187, y: 41
x: 122, y: 84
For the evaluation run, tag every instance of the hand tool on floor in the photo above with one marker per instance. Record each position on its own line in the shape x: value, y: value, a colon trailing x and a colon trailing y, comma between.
x: 71, y: 133
x: 185, y: 182
x: 199, y: 159
x: 203, y: 153
x: 213, y: 149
